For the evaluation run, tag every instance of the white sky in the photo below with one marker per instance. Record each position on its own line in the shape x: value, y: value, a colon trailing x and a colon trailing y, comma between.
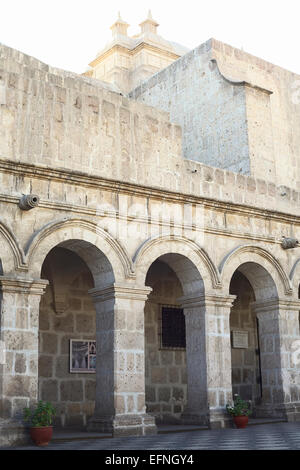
x: 68, y: 33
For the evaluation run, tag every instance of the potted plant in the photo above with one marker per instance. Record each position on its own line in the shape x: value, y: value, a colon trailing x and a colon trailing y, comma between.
x: 240, y: 411
x: 40, y: 418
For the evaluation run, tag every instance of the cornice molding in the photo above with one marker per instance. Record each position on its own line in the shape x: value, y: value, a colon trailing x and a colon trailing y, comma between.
x: 84, y: 210
x: 132, y: 52
x: 23, y: 286
x: 117, y: 291
x: 238, y: 82
x: 78, y: 178
x: 274, y: 305
x: 206, y: 300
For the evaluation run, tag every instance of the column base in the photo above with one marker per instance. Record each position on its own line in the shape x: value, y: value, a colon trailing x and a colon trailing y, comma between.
x: 13, y: 433
x: 188, y: 417
x: 214, y: 419
x: 219, y: 418
x: 123, y: 425
x: 288, y: 411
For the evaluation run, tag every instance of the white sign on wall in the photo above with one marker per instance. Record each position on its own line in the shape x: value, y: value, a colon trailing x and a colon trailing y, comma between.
x: 240, y: 339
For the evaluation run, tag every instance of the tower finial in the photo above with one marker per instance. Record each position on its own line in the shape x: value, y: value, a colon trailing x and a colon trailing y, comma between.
x: 120, y: 26
x: 149, y: 25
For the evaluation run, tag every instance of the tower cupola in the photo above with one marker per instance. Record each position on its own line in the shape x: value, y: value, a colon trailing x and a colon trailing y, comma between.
x: 119, y: 27
x: 149, y: 25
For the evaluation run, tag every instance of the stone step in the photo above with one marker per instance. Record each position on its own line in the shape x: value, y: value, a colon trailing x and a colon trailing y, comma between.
x: 61, y: 435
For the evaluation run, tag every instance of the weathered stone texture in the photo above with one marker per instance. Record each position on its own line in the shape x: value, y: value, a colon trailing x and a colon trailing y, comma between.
x: 165, y: 378
x: 246, y: 377
x: 238, y: 108
x: 74, y: 393
x: 121, y: 212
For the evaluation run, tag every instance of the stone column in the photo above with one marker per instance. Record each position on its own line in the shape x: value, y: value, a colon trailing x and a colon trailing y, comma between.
x: 120, y: 363
x: 208, y: 355
x: 279, y: 342
x: 19, y: 327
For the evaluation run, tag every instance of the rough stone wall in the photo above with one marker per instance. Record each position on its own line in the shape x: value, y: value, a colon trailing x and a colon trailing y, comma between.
x: 70, y: 122
x: 62, y: 120
x: 210, y: 110
x: 73, y: 395
x: 237, y: 111
x: 166, y: 387
x: 245, y: 362
x: 19, y: 322
x: 242, y: 221
x: 279, y: 123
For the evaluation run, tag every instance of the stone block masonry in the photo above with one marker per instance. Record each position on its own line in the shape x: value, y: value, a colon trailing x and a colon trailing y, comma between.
x: 127, y: 141
x: 234, y: 110
x: 125, y: 225
x: 165, y: 369
x: 73, y: 395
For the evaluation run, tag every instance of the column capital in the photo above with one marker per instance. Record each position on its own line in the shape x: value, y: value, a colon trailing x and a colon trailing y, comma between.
x: 275, y: 305
x: 207, y: 300
x: 23, y: 286
x: 120, y: 291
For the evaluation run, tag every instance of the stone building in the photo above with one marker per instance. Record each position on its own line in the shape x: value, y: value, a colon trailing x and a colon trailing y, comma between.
x: 150, y: 207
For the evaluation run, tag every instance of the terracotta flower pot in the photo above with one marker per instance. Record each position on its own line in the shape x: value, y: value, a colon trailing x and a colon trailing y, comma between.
x: 241, y: 421
x: 42, y: 435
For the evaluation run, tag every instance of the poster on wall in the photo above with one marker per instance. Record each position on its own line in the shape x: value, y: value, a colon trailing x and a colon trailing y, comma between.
x: 82, y: 356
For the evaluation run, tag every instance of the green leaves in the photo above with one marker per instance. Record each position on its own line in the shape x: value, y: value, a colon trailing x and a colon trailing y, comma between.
x: 41, y: 415
x: 239, y: 408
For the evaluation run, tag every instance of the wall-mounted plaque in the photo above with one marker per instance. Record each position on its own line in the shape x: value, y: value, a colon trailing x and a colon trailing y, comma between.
x: 239, y: 339
x: 82, y: 356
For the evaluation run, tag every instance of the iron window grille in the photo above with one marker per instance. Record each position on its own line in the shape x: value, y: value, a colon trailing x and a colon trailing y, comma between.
x: 172, y: 327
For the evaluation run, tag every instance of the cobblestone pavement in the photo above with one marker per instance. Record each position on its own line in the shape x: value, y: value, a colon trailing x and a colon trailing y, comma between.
x: 280, y: 436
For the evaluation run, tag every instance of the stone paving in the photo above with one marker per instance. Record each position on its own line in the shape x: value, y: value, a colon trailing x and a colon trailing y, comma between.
x: 280, y: 436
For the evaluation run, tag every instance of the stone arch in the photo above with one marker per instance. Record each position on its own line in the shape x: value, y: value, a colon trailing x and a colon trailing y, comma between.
x: 185, y: 257
x: 263, y: 271
x: 295, y: 277
x: 179, y: 273
x: 11, y: 255
x: 105, y: 257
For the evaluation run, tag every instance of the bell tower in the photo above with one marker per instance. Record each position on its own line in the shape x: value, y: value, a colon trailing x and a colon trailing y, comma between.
x: 128, y: 60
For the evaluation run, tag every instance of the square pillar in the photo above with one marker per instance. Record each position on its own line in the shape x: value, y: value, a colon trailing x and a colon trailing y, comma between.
x: 208, y: 355
x: 19, y: 327
x: 120, y: 363
x: 279, y: 342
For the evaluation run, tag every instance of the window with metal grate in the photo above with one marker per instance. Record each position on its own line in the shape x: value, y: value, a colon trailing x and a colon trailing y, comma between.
x: 172, y: 328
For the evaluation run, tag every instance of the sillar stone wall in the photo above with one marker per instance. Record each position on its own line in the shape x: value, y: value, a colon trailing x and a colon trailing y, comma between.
x: 237, y: 112
x: 73, y: 395
x: 245, y: 362
x: 166, y: 382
